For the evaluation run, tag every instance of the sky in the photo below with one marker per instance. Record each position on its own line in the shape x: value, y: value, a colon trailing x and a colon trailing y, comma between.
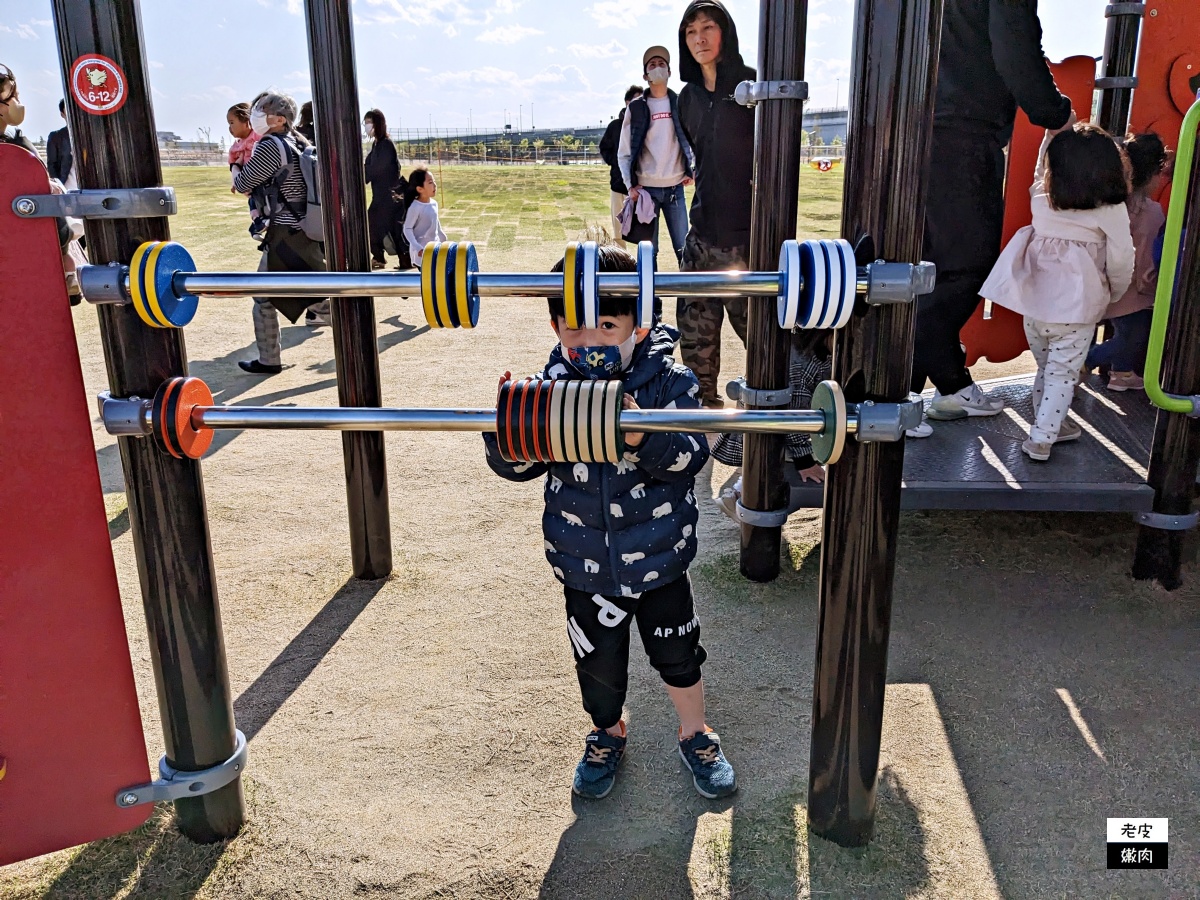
x: 443, y: 63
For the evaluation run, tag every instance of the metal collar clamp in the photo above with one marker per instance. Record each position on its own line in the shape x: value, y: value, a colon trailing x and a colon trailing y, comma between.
x: 1167, y: 522
x: 759, y: 398
x: 1125, y: 9
x: 176, y: 785
x: 892, y: 282
x: 1116, y: 81
x: 118, y: 203
x: 886, y: 422
x: 773, y: 518
x: 749, y: 93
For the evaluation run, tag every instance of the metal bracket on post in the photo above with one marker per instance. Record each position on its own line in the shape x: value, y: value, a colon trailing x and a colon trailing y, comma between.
x: 1116, y: 81
x: 749, y: 93
x: 118, y: 203
x: 123, y: 416
x: 1125, y: 9
x: 177, y: 785
x: 886, y: 422
x: 1165, y: 522
x: 774, y: 518
x: 762, y: 398
x: 104, y: 284
x: 889, y: 282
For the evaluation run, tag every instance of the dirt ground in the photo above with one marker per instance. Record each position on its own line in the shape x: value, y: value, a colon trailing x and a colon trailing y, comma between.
x: 415, y: 737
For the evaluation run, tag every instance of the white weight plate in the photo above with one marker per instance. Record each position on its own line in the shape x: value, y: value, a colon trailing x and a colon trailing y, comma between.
x: 645, y: 264
x: 591, y: 285
x: 833, y: 283
x: 814, y: 284
x: 791, y: 279
x: 849, y: 284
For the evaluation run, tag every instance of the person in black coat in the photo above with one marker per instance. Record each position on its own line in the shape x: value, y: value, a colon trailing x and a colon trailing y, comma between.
x: 383, y: 174
x: 609, y: 144
x: 991, y: 61
x: 59, y: 160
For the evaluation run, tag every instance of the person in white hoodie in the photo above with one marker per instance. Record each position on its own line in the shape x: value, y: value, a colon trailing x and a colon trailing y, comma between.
x: 654, y: 154
x: 1062, y: 272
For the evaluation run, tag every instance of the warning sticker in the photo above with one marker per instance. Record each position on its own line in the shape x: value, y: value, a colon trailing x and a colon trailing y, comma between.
x: 98, y: 84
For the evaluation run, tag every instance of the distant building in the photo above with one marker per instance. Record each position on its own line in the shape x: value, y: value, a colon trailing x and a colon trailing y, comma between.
x: 825, y: 124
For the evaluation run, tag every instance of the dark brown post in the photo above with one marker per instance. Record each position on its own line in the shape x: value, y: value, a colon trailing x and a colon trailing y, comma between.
x: 1120, y: 55
x: 117, y: 148
x: 783, y: 25
x: 887, y: 159
x: 1176, y: 451
x: 347, y: 249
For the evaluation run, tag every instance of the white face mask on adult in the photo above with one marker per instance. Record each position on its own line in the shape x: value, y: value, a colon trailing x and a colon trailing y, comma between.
x: 258, y: 122
x: 369, y: 130
x: 658, y: 75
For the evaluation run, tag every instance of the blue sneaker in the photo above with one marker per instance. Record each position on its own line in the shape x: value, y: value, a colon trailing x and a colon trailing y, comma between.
x: 711, y: 772
x: 597, y: 771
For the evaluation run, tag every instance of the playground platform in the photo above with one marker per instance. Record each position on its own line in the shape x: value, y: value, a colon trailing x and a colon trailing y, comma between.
x: 977, y: 463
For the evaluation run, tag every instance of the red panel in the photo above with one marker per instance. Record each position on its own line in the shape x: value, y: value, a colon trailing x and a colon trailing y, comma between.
x: 70, y: 729
x: 1168, y: 71
x: 1002, y: 337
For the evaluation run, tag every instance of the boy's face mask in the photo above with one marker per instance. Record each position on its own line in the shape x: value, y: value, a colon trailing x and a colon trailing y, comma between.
x: 603, y: 361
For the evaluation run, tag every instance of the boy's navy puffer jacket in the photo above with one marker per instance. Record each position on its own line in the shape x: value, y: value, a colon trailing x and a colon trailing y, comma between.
x: 622, y: 529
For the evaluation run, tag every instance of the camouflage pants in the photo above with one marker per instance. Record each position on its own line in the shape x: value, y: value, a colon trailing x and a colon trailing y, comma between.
x: 700, y: 318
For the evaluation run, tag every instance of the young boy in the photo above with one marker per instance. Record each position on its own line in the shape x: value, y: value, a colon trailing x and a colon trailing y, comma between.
x: 620, y: 538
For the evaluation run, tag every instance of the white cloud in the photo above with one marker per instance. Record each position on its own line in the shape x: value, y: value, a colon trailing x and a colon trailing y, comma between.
x: 155, y: 64
x: 819, y: 20
x: 430, y: 12
x: 24, y: 31
x: 598, y: 51
x: 507, y: 34
x: 400, y: 90
x: 450, y: 31
x: 295, y: 6
x: 612, y: 14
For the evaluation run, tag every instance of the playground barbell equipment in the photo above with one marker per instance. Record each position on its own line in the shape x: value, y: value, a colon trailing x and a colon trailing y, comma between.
x: 816, y: 285
x: 535, y: 420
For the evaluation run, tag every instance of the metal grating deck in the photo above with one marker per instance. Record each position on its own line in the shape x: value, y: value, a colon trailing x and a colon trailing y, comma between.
x: 977, y: 463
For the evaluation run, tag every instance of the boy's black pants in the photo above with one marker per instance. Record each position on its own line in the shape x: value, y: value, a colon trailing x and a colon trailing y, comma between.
x: 598, y: 627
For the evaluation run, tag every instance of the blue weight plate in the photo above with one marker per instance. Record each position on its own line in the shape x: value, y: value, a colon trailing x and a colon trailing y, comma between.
x: 179, y: 308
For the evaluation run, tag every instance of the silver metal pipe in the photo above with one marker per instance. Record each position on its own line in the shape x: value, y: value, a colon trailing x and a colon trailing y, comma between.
x: 486, y: 284
x: 479, y: 420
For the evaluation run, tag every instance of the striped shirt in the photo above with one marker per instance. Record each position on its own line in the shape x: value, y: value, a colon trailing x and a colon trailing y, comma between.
x: 265, y: 162
x: 805, y: 372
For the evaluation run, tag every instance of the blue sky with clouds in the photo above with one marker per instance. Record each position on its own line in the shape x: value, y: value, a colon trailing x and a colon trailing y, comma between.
x: 442, y: 62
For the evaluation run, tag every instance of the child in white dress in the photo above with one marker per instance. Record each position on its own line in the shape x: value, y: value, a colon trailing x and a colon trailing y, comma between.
x: 1063, y: 271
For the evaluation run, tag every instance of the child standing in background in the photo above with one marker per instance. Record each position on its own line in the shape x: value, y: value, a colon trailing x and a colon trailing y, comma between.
x: 421, y: 223
x: 1124, y: 353
x: 1062, y: 272
x: 240, y: 152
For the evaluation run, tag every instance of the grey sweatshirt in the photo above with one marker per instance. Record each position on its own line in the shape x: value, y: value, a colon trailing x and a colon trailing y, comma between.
x: 421, y: 226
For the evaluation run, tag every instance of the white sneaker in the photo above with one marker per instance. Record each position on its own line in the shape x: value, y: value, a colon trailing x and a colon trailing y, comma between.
x: 728, y: 503
x: 970, y: 401
x: 923, y: 430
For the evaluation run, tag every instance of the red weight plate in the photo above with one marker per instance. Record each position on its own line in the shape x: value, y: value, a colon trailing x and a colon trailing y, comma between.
x: 192, y: 441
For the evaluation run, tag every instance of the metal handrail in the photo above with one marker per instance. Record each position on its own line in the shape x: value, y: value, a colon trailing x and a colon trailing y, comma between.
x: 1172, y: 239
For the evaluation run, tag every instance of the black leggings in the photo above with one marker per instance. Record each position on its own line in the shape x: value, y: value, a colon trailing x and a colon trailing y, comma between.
x: 598, y: 627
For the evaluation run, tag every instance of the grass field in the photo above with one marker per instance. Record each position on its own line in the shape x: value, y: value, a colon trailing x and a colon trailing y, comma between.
x: 414, y: 737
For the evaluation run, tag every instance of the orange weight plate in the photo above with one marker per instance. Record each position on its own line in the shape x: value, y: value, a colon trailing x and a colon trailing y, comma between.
x: 1185, y: 81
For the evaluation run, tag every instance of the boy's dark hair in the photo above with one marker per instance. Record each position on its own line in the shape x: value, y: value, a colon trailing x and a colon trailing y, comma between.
x: 62, y: 107
x: 306, y: 115
x: 1147, y: 157
x: 239, y: 111
x: 378, y: 123
x: 634, y: 91
x: 1085, y: 169
x: 612, y: 259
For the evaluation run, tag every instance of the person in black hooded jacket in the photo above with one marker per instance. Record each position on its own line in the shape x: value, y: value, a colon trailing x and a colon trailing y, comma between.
x: 721, y: 133
x: 990, y: 63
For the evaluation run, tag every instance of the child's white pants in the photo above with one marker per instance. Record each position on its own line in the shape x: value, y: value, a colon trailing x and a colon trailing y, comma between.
x: 1060, y: 350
